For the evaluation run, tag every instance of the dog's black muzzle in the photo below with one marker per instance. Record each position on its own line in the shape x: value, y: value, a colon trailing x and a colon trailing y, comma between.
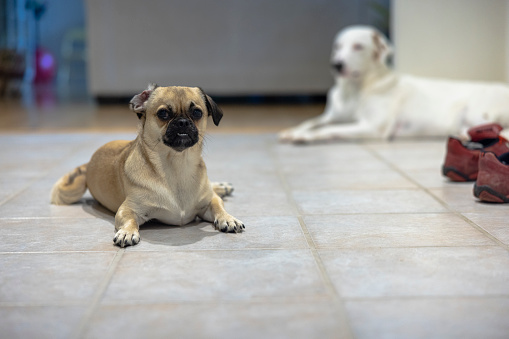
x: 181, y: 134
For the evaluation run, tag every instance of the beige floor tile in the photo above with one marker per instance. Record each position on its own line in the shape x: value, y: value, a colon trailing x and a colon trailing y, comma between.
x: 56, y: 234
x: 461, y: 198
x: 299, y: 153
x: 433, y: 178
x: 260, y: 203
x: 367, y: 201
x: 336, y: 158
x: 238, y: 152
x: 431, y: 271
x: 393, y: 230
x: 413, y: 155
x: 428, y: 144
x: 11, y: 185
x: 379, y: 238
x: 33, y: 155
x: 432, y: 318
x: 36, y: 278
x: 39, y: 322
x: 497, y: 225
x: 34, y: 202
x: 364, y: 180
x: 247, y: 180
x: 261, y: 232
x: 202, y: 276
x: 238, y: 320
x: 238, y: 160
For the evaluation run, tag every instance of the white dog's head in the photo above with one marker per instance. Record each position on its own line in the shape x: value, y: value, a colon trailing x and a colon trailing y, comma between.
x: 358, y: 50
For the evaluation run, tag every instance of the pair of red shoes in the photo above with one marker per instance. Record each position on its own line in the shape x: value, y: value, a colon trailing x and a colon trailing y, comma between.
x: 485, y: 158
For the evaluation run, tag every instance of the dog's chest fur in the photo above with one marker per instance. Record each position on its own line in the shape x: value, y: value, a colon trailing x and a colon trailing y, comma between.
x: 178, y: 195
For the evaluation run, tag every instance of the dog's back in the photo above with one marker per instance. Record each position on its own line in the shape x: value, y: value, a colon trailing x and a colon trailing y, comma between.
x: 71, y: 187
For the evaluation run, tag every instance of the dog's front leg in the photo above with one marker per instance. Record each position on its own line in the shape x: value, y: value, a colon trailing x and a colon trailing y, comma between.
x: 291, y: 133
x: 127, y: 227
x: 352, y: 131
x: 223, y: 221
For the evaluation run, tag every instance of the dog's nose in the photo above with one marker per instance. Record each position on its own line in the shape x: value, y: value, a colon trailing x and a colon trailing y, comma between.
x: 338, y: 67
x: 182, y: 122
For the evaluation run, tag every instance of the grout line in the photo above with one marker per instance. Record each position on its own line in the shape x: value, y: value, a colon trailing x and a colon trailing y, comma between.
x: 292, y: 300
x: 346, y: 330
x: 428, y: 297
x: 440, y: 201
x: 8, y: 304
x: 23, y: 189
x: 54, y: 252
x: 96, y: 299
x: 254, y: 301
x: 255, y: 249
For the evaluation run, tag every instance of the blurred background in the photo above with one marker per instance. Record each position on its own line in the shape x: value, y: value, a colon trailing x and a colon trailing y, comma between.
x: 62, y: 61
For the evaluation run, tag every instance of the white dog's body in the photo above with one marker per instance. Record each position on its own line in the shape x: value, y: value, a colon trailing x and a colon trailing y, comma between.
x: 371, y: 101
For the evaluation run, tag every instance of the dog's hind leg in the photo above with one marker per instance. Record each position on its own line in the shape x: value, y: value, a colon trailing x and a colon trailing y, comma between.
x: 222, y: 189
x: 71, y: 187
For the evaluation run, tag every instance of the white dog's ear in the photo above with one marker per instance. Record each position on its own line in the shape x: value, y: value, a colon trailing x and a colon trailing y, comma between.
x: 139, y: 101
x: 383, y: 48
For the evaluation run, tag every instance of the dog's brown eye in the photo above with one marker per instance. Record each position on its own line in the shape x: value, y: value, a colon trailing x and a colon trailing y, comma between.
x: 163, y: 114
x: 197, y: 114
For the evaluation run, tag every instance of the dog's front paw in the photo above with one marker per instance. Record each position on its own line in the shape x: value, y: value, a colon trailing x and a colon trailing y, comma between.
x: 126, y: 237
x: 286, y: 135
x: 222, y: 189
x: 302, y: 138
x: 295, y: 136
x: 227, y: 223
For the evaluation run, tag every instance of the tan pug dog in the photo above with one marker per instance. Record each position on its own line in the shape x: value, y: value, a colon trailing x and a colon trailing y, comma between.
x: 159, y: 175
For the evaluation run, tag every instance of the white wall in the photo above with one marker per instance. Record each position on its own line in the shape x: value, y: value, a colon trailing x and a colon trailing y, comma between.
x: 507, y: 41
x: 458, y: 39
x: 228, y: 47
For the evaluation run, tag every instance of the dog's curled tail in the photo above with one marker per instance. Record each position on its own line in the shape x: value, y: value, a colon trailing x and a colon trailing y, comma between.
x: 71, y: 187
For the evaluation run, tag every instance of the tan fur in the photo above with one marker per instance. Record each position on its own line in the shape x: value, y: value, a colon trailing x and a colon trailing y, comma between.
x: 146, y: 179
x: 71, y: 187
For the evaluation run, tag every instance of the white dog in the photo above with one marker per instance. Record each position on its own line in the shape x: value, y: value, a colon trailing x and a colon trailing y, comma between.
x: 371, y: 101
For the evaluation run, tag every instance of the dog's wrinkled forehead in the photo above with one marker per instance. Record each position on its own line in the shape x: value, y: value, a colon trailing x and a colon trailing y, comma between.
x: 176, y: 97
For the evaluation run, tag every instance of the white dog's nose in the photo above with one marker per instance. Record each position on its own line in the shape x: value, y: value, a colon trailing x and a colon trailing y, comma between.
x: 338, y: 66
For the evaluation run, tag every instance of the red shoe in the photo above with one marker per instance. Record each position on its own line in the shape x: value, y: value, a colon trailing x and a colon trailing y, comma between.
x: 493, y: 179
x: 462, y: 158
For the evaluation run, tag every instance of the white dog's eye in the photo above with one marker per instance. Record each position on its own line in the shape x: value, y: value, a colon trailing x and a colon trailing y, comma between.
x: 358, y: 47
x: 197, y: 114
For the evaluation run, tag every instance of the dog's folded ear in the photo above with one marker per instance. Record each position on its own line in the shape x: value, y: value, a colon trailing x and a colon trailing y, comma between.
x: 383, y: 48
x: 212, y: 108
x: 139, y: 101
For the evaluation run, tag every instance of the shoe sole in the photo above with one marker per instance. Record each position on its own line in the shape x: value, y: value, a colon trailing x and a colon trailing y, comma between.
x: 455, y: 175
x: 486, y: 193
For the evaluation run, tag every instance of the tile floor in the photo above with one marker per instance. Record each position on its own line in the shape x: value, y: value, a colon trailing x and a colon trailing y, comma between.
x: 353, y: 240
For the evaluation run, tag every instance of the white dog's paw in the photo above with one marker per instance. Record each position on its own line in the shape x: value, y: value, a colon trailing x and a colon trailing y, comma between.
x: 227, y: 223
x: 295, y: 136
x: 126, y: 237
x: 222, y: 189
x: 286, y: 135
x: 301, y: 138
